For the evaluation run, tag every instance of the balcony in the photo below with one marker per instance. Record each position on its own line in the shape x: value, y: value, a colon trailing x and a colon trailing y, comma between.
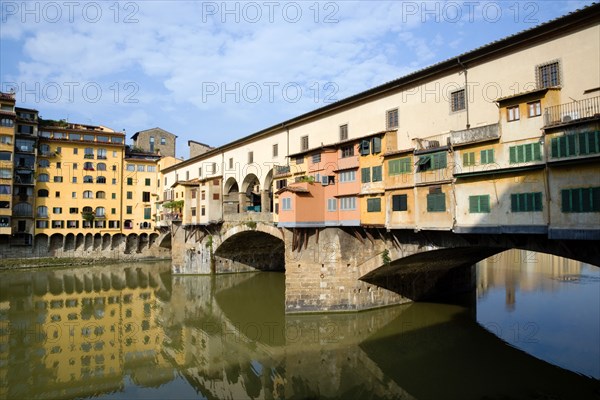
x: 88, y: 156
x: 25, y: 149
x: 475, y: 135
x: 432, y: 142
x: 281, y: 170
x: 48, y: 154
x: 572, y: 112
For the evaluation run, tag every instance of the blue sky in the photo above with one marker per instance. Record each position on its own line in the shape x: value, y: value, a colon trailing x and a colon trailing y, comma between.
x: 215, y: 71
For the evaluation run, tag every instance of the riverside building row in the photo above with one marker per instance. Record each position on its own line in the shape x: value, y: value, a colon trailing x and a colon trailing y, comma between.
x: 71, y: 179
x: 501, y: 139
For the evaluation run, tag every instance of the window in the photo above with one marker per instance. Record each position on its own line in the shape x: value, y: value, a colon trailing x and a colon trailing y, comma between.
x: 374, y: 205
x: 113, y: 211
x: 580, y: 200
x: 100, y: 194
x: 525, y: 153
x: 5, y: 155
x: 468, y: 159
x: 377, y: 174
x: 129, y: 210
x: 400, y: 202
x: 250, y: 157
x: 129, y: 181
x: 348, y: 203
x: 73, y: 195
x: 88, y: 179
x: 230, y: 163
x: 7, y: 122
x: 304, y: 143
x: 487, y: 156
x: 114, y: 181
x: 101, y: 154
x: 40, y: 193
x: 88, y: 194
x: 147, y: 213
x: 75, y: 150
x: 524, y: 202
x: 141, y: 168
x: 41, y: 224
x: 100, y: 212
x: 299, y: 160
x: 73, y: 210
x: 331, y: 204
x: 534, y: 109
x: 101, y: 166
x: 147, y: 182
x: 146, y: 197
x: 88, y: 166
x: 548, y: 75
x: 432, y: 162
x: 344, y: 132
x: 583, y: 143
x: 151, y: 168
x: 400, y: 166
x: 42, y: 212
x: 58, y: 224
x: 286, y: 203
x: 72, y: 224
x: 376, y: 145
x: 113, y: 196
x: 130, y: 167
x: 512, y: 113
x: 88, y: 152
x: 74, y: 165
x: 215, y: 196
x: 58, y: 179
x: 58, y: 150
x: 5, y: 173
x: 479, y: 204
x: 347, y: 151
x: 436, y: 202
x: 187, y: 175
x: 43, y: 163
x: 316, y: 158
x: 391, y: 119
x: 365, y: 147
x: 458, y: 100
x: 365, y: 175
x: 43, y: 178
x: 163, y: 141
x: 129, y: 195
x: 275, y: 150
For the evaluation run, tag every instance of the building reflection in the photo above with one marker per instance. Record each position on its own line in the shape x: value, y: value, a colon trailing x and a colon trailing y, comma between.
x: 93, y: 332
x: 66, y: 334
x: 525, y: 271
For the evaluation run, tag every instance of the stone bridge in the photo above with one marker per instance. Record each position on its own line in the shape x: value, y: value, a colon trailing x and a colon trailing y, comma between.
x: 353, y: 269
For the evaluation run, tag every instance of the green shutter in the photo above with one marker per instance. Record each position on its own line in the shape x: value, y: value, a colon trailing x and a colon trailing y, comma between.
x: 406, y: 165
x: 596, y: 198
x: 514, y: 202
x: 376, y: 145
x: 468, y: 159
x: 571, y: 145
x: 537, y: 202
x: 365, y: 175
x: 393, y: 167
x: 487, y: 156
x: 513, y: 155
x: 364, y: 148
x: 484, y: 204
x: 565, y: 195
x: 436, y: 202
x: 554, y: 145
x: 537, y: 151
x: 473, y: 204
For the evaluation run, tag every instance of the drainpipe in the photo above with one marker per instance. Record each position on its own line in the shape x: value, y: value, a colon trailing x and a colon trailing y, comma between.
x: 465, y: 71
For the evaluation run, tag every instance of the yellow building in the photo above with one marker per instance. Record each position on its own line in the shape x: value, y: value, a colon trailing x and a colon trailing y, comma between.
x: 372, y: 193
x: 7, y: 140
x: 140, y: 192
x: 79, y: 181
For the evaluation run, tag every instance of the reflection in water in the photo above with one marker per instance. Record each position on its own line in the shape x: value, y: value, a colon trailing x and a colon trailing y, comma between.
x: 546, y: 305
x: 135, y: 332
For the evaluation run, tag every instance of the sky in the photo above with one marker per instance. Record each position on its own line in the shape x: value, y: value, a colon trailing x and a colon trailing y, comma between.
x: 215, y: 71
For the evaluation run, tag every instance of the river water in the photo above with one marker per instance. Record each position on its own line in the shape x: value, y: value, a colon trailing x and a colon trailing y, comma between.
x: 131, y: 331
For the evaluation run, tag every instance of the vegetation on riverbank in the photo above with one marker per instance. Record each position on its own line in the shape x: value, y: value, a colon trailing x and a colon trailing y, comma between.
x: 22, y: 263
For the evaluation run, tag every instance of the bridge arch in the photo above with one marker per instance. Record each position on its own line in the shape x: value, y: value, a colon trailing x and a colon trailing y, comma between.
x: 251, y: 188
x: 247, y: 247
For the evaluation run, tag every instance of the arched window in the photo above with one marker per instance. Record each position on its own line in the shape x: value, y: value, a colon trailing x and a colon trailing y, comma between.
x: 101, y: 179
x: 100, y: 195
x: 88, y: 166
x: 23, y: 210
x: 101, y: 166
x: 43, y: 163
x: 128, y: 224
x: 87, y: 209
x: 100, y: 212
x: 42, y: 193
x: 88, y: 194
x: 43, y: 178
x: 42, y: 212
x: 88, y: 179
